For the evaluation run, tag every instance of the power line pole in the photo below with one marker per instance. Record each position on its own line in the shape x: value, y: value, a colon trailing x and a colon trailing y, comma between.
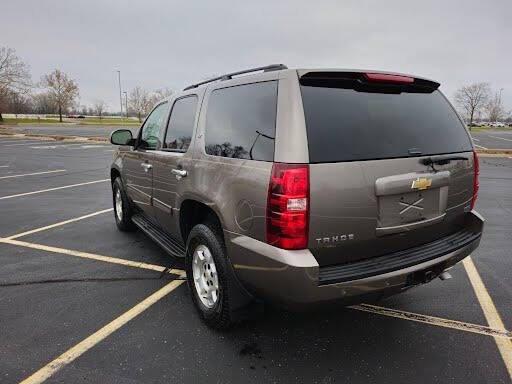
x: 120, y: 96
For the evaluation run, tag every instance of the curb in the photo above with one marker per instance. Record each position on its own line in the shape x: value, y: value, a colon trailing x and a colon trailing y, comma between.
x: 94, y: 139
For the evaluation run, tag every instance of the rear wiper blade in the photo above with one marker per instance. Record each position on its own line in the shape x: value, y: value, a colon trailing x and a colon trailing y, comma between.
x: 442, y: 159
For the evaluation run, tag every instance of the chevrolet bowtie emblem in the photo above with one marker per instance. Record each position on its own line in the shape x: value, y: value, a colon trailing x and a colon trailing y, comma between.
x: 421, y: 183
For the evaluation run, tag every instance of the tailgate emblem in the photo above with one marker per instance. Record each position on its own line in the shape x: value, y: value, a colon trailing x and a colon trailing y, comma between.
x: 421, y: 183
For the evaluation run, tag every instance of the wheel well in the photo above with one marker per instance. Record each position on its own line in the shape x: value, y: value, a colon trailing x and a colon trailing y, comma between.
x: 192, y: 213
x: 114, y: 173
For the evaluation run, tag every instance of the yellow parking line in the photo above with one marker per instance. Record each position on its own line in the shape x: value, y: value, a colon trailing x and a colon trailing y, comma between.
x: 92, y: 256
x: 433, y: 320
x: 32, y: 174
x: 52, y: 189
x: 59, y: 224
x: 498, y: 332
x: 490, y: 312
x: 72, y: 354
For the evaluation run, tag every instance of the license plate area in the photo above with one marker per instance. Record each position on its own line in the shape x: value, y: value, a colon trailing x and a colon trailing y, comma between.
x: 403, y: 201
x: 409, y: 207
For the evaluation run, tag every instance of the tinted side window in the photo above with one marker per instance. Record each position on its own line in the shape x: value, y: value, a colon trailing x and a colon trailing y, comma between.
x: 181, y: 124
x: 153, y: 125
x: 241, y: 121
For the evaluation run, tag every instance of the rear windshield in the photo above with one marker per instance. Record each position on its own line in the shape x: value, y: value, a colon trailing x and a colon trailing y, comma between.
x: 349, y: 125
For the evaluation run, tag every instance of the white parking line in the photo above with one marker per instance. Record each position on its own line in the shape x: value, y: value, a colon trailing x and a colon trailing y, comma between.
x: 479, y: 146
x: 490, y: 312
x: 79, y: 349
x: 18, y: 141
x: 52, y: 189
x: 501, y: 138
x: 4, y: 166
x: 29, y: 143
x: 33, y: 174
x: 59, y: 224
x: 474, y: 139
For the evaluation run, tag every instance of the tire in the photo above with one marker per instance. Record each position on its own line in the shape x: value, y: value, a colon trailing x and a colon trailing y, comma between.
x: 122, y: 207
x: 205, y: 239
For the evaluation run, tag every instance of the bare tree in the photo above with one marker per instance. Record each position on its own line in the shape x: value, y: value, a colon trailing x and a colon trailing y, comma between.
x: 43, y: 103
x: 62, y: 89
x: 163, y: 93
x: 495, y: 109
x: 159, y: 95
x: 472, y: 98
x: 140, y: 102
x: 14, y: 76
x: 99, y: 108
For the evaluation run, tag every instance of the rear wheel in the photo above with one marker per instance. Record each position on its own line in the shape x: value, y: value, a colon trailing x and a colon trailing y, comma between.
x: 122, y: 207
x: 207, y: 273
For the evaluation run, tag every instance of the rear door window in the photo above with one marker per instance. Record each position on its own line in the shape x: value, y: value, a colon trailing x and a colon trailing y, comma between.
x: 241, y: 121
x: 181, y: 124
x: 348, y: 125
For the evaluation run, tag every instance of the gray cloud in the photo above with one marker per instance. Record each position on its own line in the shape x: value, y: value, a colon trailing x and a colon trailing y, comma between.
x: 162, y: 43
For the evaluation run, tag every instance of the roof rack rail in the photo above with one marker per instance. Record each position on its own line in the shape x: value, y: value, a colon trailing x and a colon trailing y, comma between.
x: 228, y: 76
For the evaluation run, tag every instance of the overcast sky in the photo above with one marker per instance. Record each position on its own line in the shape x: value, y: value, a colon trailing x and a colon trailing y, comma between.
x: 164, y: 43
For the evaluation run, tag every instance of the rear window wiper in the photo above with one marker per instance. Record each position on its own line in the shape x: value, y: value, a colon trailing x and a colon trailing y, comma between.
x: 441, y: 159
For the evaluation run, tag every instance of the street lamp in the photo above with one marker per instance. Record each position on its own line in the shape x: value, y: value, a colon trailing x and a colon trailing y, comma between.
x: 126, y: 102
x: 120, y: 97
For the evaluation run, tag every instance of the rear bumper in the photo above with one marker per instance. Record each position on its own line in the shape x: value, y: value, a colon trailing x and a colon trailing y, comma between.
x: 294, y: 278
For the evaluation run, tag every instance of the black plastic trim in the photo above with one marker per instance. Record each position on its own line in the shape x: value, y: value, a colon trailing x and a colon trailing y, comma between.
x: 170, y: 245
x: 397, y: 260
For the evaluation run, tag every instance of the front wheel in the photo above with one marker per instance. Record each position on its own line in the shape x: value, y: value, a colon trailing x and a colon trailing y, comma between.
x: 122, y: 208
x: 207, y: 275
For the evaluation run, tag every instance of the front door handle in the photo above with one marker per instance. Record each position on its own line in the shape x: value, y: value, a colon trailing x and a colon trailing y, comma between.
x: 179, y: 173
x: 146, y: 166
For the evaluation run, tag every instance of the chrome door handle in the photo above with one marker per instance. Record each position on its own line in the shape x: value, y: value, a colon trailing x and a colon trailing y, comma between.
x: 146, y: 166
x: 179, y: 172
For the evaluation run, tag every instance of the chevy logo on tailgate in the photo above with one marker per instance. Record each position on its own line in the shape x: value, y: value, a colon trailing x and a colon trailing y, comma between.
x: 421, y: 183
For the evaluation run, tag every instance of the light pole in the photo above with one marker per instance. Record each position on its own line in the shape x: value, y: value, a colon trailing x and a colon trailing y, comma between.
x: 120, y: 97
x: 126, y: 102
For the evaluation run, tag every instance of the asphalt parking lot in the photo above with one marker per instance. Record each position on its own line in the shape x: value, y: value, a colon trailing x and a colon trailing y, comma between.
x: 493, y: 138
x: 83, y: 302
x: 69, y: 129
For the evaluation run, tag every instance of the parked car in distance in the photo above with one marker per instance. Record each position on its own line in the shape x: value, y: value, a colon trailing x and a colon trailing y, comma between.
x: 301, y: 187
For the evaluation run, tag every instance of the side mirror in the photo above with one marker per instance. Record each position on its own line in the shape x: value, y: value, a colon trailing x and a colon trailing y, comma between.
x: 122, y: 137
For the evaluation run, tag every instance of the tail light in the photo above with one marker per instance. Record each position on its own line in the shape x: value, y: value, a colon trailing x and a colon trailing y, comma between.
x: 476, y: 183
x: 288, y: 206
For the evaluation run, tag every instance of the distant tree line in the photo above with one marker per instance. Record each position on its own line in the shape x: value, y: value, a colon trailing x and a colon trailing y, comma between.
x: 477, y: 99
x: 58, y: 93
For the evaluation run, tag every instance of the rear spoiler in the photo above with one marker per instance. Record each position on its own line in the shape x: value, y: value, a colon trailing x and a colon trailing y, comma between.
x: 369, y: 82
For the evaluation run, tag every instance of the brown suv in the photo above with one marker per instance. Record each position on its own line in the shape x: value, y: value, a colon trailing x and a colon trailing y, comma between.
x: 301, y: 186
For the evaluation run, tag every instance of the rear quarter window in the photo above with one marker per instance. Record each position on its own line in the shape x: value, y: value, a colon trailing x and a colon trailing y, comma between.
x: 348, y: 125
x: 241, y: 121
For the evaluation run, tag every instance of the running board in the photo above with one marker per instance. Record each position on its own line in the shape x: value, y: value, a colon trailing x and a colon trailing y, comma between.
x: 172, y: 246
